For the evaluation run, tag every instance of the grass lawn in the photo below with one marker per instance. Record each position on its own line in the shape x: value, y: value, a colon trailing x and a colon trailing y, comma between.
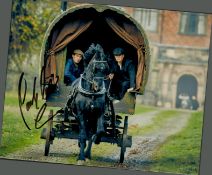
x: 140, y: 109
x: 157, y: 123
x: 15, y: 135
x: 181, y: 152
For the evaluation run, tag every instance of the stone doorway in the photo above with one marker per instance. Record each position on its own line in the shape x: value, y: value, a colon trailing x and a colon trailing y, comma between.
x: 186, y: 88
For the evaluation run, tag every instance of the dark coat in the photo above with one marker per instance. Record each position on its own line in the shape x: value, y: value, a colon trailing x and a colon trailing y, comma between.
x: 124, y: 78
x: 72, y: 71
x: 126, y: 73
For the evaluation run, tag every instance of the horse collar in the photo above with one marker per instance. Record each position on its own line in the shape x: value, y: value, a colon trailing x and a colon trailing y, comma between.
x: 88, y: 93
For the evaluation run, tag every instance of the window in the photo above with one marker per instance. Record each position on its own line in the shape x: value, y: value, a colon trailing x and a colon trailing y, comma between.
x: 147, y: 18
x: 193, y: 23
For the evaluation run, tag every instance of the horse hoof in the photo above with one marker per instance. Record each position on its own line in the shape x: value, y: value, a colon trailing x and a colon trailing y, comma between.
x: 87, y: 159
x: 80, y: 162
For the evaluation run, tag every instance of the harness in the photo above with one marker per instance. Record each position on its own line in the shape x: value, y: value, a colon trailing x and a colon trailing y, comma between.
x: 86, y: 92
x: 78, y: 88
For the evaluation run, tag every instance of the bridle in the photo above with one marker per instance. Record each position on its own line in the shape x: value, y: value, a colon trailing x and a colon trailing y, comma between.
x: 87, y: 92
x: 93, y: 91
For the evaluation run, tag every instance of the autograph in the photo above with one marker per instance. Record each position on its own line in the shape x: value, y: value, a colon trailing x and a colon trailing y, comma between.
x: 34, y: 99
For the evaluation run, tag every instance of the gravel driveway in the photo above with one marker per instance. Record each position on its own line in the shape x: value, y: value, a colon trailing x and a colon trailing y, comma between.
x: 135, y: 157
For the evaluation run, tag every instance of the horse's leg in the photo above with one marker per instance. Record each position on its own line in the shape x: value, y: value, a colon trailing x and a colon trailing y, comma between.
x: 100, y: 124
x: 82, y: 138
x: 88, y: 150
x: 100, y: 129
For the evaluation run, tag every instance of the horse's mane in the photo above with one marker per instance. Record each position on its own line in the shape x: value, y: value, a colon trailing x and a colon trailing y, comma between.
x: 97, y: 56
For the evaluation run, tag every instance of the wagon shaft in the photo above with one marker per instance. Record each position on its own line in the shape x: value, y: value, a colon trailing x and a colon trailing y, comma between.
x: 127, y: 141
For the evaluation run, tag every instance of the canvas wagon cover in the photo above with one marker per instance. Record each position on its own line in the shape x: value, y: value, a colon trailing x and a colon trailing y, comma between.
x: 72, y: 25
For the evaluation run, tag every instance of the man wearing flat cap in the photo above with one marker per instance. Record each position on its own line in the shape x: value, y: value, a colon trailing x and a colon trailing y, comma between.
x: 123, y: 76
x: 74, y: 67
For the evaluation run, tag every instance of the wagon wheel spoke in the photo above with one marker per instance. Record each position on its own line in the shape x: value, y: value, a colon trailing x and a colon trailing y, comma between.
x: 123, y: 140
x: 48, y: 134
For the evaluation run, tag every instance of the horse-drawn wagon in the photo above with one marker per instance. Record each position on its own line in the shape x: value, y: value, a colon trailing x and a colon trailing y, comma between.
x: 78, y: 27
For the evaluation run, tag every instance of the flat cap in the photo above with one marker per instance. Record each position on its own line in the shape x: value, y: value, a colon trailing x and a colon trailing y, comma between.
x: 118, y: 51
x: 78, y: 51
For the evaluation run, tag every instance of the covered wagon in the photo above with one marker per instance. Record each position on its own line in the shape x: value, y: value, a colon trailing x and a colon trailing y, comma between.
x: 80, y: 26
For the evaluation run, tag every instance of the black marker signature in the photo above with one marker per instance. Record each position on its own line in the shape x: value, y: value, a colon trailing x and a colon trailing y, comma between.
x: 34, y: 99
x: 20, y: 100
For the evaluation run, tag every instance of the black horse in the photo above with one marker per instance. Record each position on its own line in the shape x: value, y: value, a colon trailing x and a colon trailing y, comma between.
x: 87, y: 101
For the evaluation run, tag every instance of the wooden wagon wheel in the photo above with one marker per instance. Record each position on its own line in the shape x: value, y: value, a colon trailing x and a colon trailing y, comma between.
x: 124, y: 140
x: 48, y: 134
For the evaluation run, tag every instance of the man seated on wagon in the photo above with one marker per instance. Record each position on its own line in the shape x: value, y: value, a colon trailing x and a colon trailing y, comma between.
x: 123, y: 76
x: 74, y: 67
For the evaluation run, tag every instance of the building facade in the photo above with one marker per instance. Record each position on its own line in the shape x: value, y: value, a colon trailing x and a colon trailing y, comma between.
x: 179, y: 43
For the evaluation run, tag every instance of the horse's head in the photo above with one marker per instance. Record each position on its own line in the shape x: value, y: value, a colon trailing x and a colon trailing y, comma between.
x: 98, y: 69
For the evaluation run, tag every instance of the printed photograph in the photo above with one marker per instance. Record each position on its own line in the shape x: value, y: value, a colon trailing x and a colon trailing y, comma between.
x: 105, y: 86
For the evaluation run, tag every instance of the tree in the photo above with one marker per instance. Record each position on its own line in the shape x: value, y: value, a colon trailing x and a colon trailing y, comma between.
x: 29, y: 21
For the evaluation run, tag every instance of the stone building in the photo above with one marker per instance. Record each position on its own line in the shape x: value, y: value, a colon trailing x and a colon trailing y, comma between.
x: 179, y: 44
